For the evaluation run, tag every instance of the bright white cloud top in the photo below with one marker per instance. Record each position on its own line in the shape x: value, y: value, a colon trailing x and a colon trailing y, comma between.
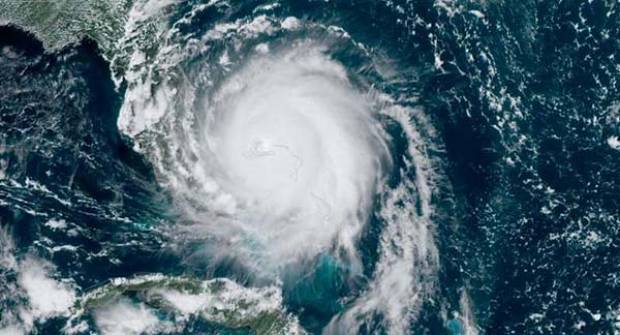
x: 295, y: 154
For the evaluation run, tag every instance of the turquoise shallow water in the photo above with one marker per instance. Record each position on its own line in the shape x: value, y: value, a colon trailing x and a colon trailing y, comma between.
x: 498, y: 188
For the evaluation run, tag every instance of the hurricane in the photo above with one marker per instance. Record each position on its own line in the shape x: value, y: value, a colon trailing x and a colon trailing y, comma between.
x: 283, y: 150
x: 309, y: 167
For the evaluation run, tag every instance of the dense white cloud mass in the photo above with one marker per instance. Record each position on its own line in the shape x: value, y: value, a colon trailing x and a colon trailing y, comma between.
x: 293, y: 153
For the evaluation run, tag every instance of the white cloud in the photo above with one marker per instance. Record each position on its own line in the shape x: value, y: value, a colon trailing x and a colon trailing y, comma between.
x: 125, y: 318
x: 48, y: 297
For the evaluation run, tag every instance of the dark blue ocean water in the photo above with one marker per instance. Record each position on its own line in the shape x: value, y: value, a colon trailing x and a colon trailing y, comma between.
x: 524, y: 96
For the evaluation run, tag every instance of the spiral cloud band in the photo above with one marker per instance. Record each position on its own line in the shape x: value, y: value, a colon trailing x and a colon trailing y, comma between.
x: 277, y: 144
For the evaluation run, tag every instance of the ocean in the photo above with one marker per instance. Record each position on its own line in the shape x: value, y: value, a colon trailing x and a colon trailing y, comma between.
x: 310, y: 167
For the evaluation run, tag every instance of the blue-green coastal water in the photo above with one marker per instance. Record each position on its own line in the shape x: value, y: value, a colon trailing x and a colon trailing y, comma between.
x: 320, y: 167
